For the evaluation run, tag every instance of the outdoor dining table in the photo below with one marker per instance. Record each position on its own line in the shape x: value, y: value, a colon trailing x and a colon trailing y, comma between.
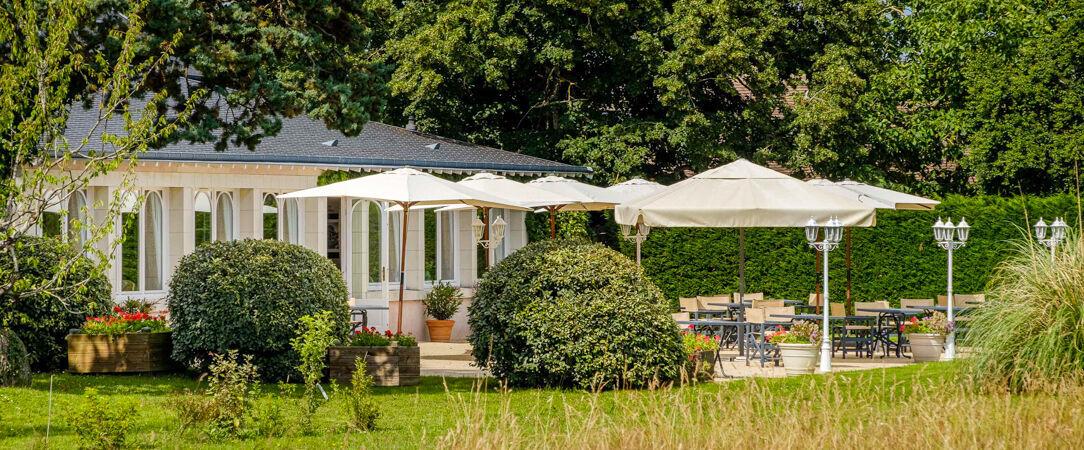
x: 737, y: 325
x: 362, y: 312
x: 897, y: 316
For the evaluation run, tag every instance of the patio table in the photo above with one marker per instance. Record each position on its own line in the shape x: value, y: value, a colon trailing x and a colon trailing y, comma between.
x: 895, y: 316
x: 363, y: 312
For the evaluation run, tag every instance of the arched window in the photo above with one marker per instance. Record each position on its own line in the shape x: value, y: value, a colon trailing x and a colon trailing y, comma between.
x: 270, y: 217
x: 152, y: 242
x: 142, y: 230
x: 224, y: 217
x: 439, y: 245
x: 375, y: 235
x: 52, y: 220
x: 395, y: 233
x: 291, y: 221
x: 77, y: 230
x: 202, y: 207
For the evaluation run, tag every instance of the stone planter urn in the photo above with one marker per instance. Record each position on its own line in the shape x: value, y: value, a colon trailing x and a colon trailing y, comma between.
x: 926, y: 347
x: 439, y: 330
x: 799, y: 359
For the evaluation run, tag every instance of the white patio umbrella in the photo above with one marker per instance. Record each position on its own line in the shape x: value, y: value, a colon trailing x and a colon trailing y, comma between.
x: 513, y: 191
x: 631, y: 190
x: 586, y: 197
x: 739, y: 195
x: 877, y: 197
x: 406, y: 188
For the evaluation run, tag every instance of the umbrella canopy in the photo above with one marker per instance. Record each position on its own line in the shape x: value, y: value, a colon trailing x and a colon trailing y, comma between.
x: 407, y: 187
x: 876, y: 197
x: 634, y: 189
x: 585, y: 196
x: 743, y: 194
x: 512, y: 191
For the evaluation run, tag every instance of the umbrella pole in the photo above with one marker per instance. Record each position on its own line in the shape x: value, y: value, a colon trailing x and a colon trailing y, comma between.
x: 553, y: 222
x: 741, y: 290
x: 402, y: 268
x: 485, y: 234
x: 849, y: 271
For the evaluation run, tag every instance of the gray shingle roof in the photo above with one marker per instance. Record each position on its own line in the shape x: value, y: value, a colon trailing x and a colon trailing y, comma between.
x: 303, y: 141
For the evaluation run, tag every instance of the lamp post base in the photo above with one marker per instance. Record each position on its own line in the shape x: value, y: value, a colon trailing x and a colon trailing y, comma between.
x: 826, y: 357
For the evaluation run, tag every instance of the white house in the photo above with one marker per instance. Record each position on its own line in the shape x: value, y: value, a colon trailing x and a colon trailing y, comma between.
x: 195, y: 194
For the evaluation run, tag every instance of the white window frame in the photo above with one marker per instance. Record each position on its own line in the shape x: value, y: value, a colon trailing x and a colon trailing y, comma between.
x: 163, y: 199
x: 455, y: 248
x: 300, y: 225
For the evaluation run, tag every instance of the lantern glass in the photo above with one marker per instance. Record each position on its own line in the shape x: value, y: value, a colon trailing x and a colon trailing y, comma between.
x: 642, y: 229
x: 1040, y: 229
x: 498, y: 228
x: 962, y: 230
x: 1059, y: 228
x: 836, y: 228
x: 939, y: 230
x: 811, y: 230
x: 479, y: 228
x: 626, y: 230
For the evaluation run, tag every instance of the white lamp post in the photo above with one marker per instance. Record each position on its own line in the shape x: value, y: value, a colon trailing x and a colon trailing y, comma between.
x: 1057, y: 233
x: 833, y: 231
x: 944, y: 232
x: 496, y: 232
x: 637, y: 235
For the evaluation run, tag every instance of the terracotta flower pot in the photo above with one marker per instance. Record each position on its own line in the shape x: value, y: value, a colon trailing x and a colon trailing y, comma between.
x: 799, y: 359
x: 926, y: 347
x: 439, y: 330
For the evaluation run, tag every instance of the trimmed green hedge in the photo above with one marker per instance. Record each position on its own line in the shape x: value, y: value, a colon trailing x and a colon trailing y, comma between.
x: 248, y: 296
x: 896, y: 259
x: 575, y: 314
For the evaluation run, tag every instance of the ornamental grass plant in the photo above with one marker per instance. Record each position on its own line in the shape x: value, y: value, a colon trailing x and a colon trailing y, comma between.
x: 1030, y: 334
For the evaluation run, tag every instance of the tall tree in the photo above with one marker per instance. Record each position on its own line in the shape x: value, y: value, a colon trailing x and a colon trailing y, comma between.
x: 260, y: 61
x: 994, y: 86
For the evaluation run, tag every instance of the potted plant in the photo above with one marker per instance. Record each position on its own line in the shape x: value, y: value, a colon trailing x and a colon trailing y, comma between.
x: 391, y: 359
x: 927, y: 336
x: 441, y: 304
x: 702, y: 350
x: 799, y: 347
x: 120, y: 342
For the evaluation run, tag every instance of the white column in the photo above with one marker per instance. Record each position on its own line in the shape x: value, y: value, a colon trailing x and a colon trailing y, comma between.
x: 415, y: 250
x: 250, y: 220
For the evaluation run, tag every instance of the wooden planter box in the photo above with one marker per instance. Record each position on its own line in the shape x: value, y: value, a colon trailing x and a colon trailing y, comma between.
x: 389, y: 366
x: 131, y: 352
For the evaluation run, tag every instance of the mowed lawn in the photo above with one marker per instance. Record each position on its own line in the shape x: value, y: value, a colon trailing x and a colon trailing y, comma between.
x: 917, y: 406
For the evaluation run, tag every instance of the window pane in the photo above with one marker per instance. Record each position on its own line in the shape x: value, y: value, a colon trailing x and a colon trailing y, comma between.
x: 76, y: 219
x: 374, y: 242
x: 357, y: 249
x: 430, y: 223
x: 447, y: 245
x: 224, y: 218
x: 270, y: 217
x: 129, y: 251
x: 50, y: 224
x: 152, y: 243
x: 395, y: 220
x: 291, y: 221
x: 203, y: 218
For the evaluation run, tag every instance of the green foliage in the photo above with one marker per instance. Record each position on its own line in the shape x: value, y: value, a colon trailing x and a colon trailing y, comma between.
x: 1028, y: 336
x: 14, y: 361
x: 316, y: 336
x: 442, y: 302
x: 234, y: 384
x: 269, y: 417
x: 999, y: 92
x: 42, y: 320
x: 361, y: 408
x: 311, y: 58
x: 569, y: 313
x: 248, y: 295
x: 896, y: 259
x: 101, y: 423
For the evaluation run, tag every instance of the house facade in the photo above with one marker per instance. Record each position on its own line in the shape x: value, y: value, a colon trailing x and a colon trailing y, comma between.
x: 192, y: 194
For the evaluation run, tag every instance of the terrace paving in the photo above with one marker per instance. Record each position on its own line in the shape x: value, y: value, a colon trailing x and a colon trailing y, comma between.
x: 454, y: 360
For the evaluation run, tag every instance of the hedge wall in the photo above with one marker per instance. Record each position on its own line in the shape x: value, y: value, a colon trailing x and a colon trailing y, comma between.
x: 896, y: 259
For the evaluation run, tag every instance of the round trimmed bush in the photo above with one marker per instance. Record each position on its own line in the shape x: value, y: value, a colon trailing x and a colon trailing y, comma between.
x: 14, y: 361
x: 576, y: 314
x: 248, y: 296
x: 42, y: 320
